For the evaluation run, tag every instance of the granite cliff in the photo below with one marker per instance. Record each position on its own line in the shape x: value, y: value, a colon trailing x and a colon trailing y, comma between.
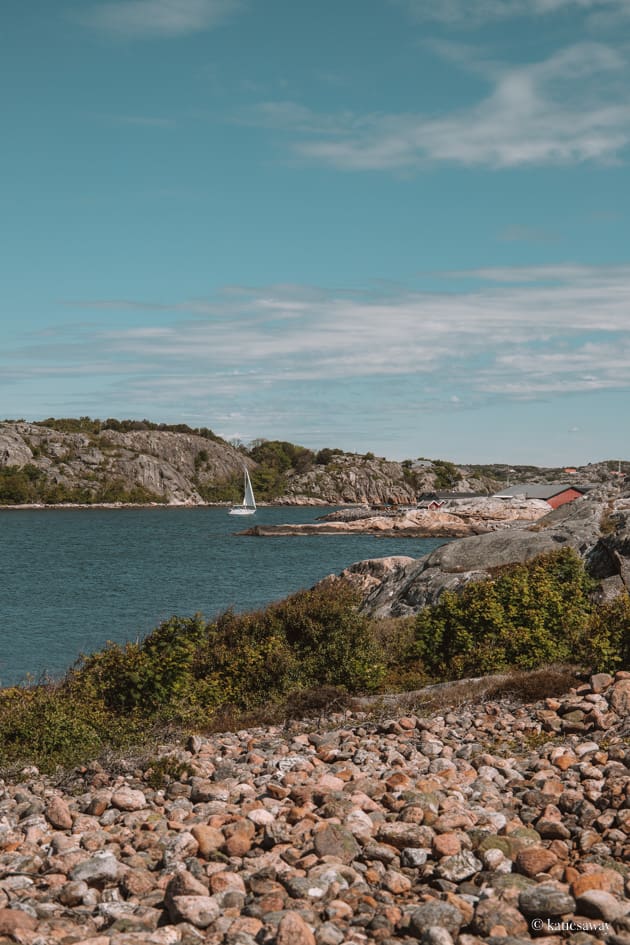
x: 161, y: 465
x: 100, y: 463
x: 88, y: 461
x: 370, y: 480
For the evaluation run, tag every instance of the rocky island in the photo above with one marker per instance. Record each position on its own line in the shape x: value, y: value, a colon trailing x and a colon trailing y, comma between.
x: 81, y: 461
x: 455, y: 518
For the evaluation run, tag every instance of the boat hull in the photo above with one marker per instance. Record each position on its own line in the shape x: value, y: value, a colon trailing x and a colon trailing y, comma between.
x: 239, y: 511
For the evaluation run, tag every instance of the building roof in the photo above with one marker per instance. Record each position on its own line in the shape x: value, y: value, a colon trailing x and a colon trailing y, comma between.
x: 539, y: 490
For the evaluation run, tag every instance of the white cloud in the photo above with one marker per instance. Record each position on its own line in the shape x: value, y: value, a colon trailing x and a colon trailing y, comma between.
x: 517, y: 333
x: 148, y: 19
x: 475, y: 12
x: 563, y: 110
x: 347, y: 367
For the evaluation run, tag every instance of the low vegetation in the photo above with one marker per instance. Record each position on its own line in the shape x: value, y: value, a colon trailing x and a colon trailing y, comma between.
x: 28, y: 484
x: 311, y: 650
x: 446, y: 474
x: 90, y: 426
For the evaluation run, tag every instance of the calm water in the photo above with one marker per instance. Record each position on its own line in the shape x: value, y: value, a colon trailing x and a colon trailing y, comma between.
x: 72, y: 579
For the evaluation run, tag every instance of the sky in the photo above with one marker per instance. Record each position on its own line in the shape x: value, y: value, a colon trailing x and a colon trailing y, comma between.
x: 398, y: 226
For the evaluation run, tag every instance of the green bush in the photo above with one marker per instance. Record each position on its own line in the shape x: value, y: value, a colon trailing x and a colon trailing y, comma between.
x: 275, y: 460
x: 244, y: 660
x: 609, y: 634
x: 326, y: 455
x: 49, y: 725
x: 446, y: 473
x: 528, y: 615
x: 194, y: 672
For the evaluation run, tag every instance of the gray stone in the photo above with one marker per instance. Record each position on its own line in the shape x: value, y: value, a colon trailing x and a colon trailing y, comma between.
x: 459, y: 867
x: 99, y: 869
x: 436, y: 914
x: 598, y: 904
x: 545, y: 901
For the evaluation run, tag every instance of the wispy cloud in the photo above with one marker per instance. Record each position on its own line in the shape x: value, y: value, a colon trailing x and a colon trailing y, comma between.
x: 517, y: 333
x: 567, y: 109
x: 470, y: 13
x: 154, y: 19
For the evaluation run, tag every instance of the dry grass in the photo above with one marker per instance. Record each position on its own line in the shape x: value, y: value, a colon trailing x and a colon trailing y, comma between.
x: 527, y: 687
x: 518, y: 686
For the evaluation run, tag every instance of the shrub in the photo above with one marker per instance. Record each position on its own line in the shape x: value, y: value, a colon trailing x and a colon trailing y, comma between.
x: 312, y: 638
x: 446, y: 473
x: 326, y: 455
x: 307, y: 652
x: 528, y: 615
x: 54, y: 724
x: 275, y: 460
x: 609, y: 634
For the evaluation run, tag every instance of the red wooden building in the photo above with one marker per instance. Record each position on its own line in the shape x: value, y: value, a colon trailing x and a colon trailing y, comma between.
x: 555, y: 493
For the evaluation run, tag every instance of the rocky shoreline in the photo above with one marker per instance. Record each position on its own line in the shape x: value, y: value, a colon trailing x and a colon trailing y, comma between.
x: 459, y: 518
x: 492, y: 822
x: 597, y: 527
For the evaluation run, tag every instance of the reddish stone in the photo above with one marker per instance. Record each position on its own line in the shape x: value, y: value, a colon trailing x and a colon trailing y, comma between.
x: 446, y: 844
x: 58, y: 814
x: 14, y: 920
x: 293, y: 930
x: 565, y: 761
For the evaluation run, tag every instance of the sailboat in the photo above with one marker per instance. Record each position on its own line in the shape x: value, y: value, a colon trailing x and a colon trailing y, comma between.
x: 248, y: 506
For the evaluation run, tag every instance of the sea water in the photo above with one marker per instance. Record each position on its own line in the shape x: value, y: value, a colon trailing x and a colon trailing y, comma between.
x: 72, y: 579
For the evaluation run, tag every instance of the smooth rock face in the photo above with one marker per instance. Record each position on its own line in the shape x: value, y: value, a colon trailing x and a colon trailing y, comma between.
x: 402, y: 586
x: 441, y: 829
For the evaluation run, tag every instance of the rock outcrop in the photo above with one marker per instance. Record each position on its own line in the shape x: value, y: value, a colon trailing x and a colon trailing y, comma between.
x: 457, y: 518
x: 490, y: 822
x: 169, y: 466
x: 177, y: 466
x: 366, y: 480
x: 596, y: 526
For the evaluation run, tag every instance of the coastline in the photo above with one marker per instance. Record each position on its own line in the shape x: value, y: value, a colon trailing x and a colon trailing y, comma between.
x: 469, y: 805
x: 41, y: 506
x: 460, y: 519
x: 343, y: 528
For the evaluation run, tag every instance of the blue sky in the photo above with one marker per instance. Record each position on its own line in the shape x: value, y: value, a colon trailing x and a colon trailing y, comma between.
x: 387, y: 225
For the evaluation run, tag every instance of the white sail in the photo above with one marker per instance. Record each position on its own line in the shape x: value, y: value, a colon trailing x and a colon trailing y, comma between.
x: 248, y: 506
x: 249, y: 499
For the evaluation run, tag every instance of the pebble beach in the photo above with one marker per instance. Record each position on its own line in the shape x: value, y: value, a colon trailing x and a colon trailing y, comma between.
x: 490, y: 822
